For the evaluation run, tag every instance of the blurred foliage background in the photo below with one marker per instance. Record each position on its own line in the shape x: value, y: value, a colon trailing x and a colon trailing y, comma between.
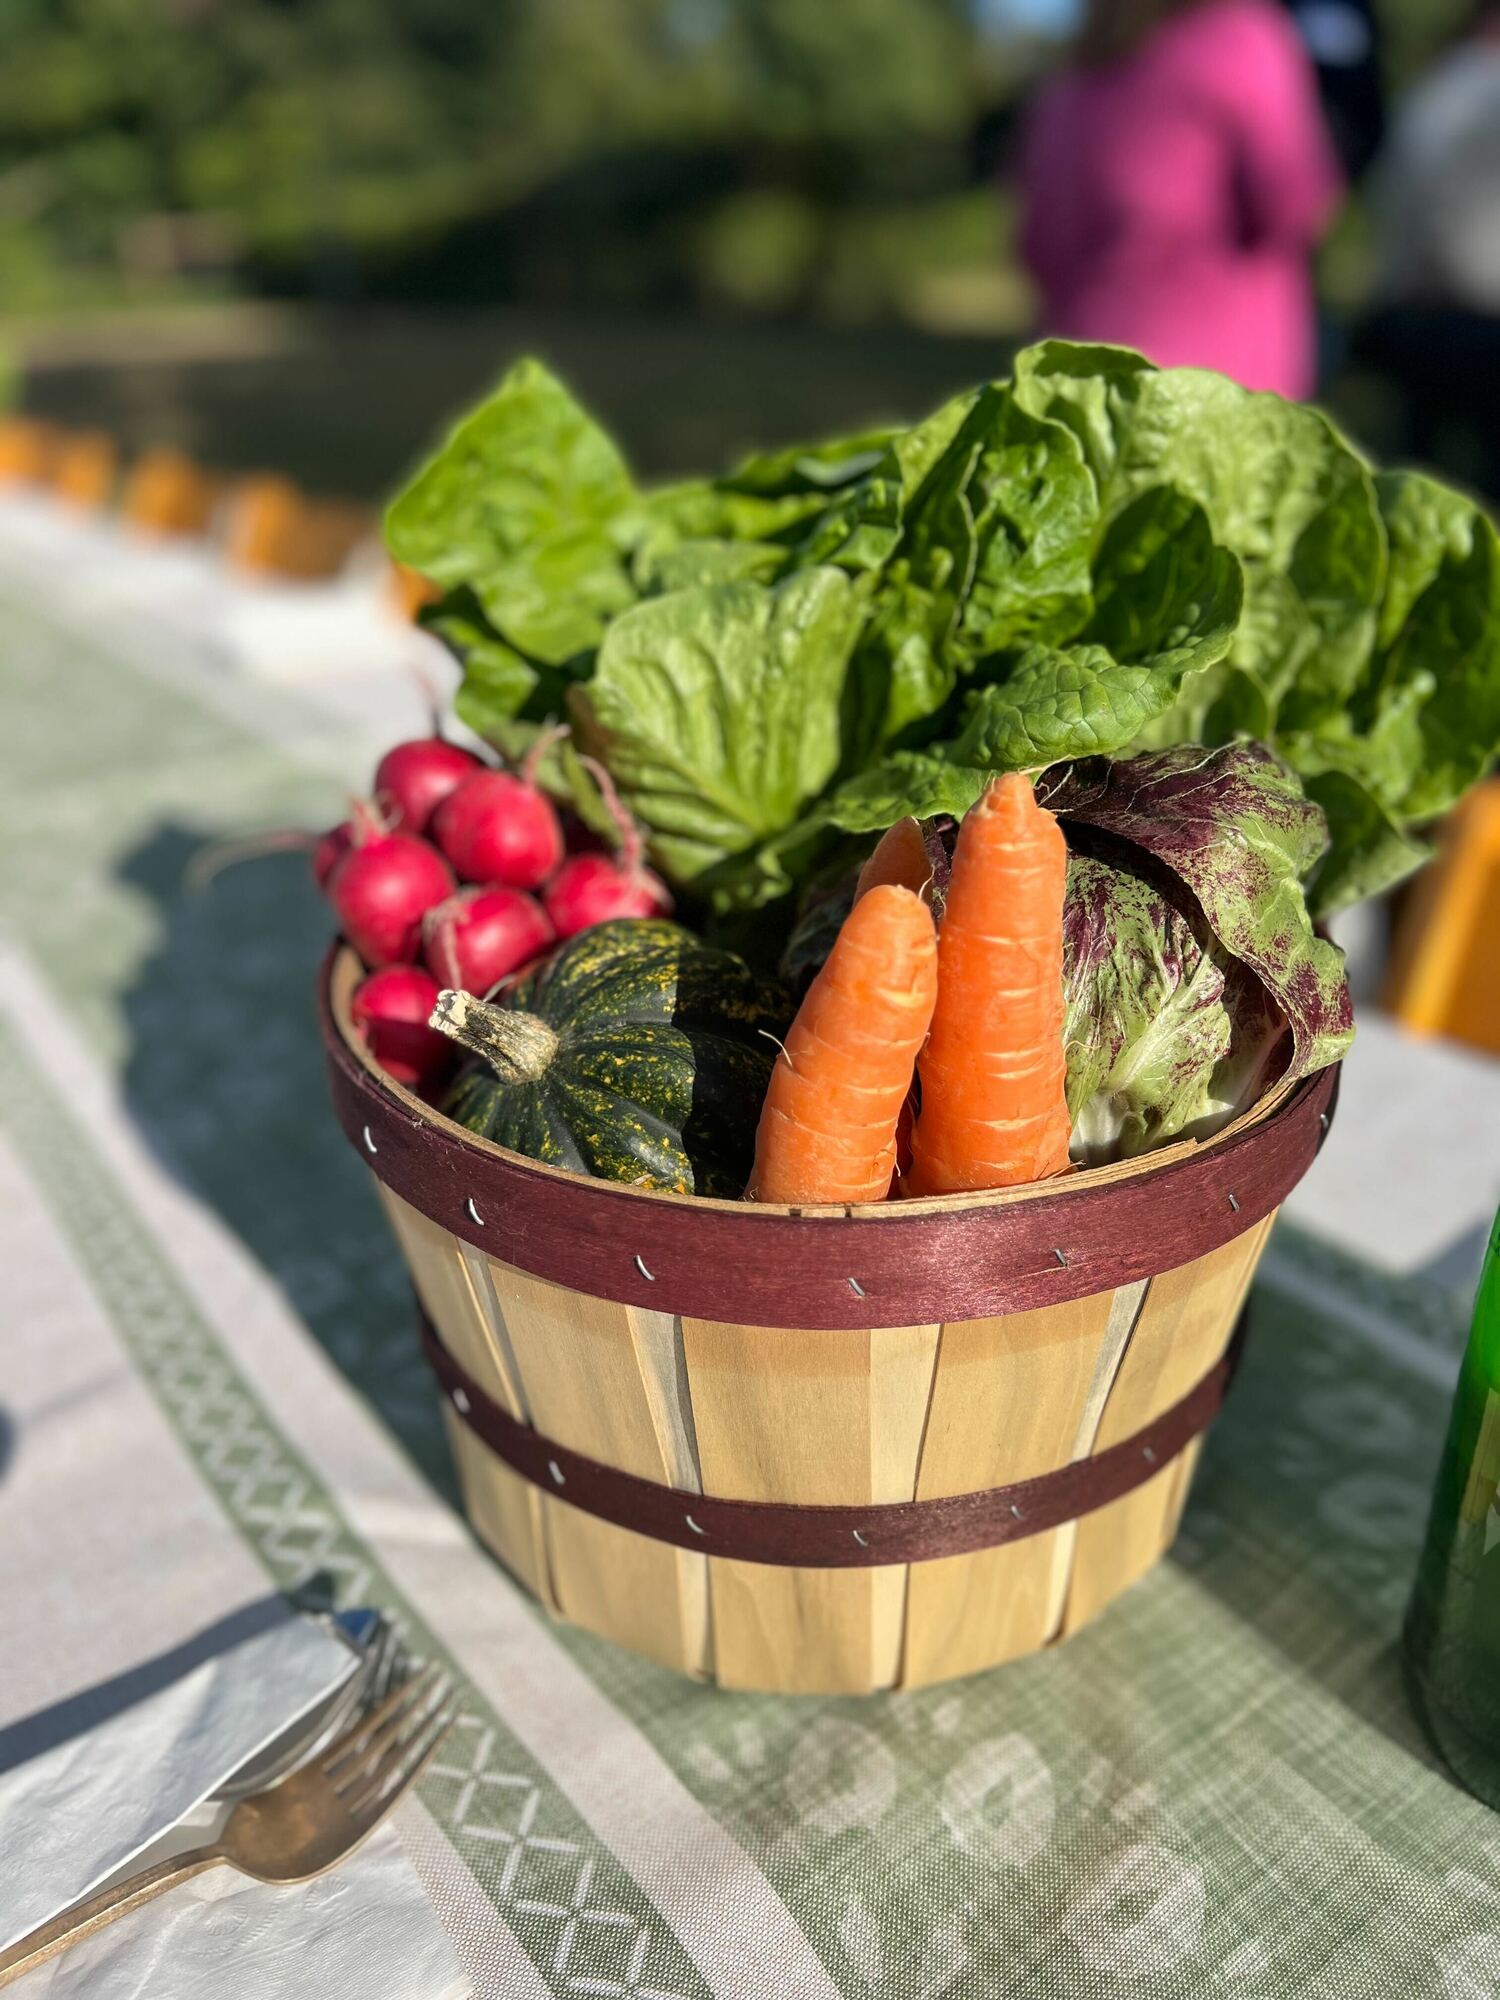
x: 197, y: 194
x: 764, y: 155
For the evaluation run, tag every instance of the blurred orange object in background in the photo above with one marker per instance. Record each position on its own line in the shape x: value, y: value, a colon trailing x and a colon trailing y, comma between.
x: 28, y: 449
x: 263, y: 518
x: 1445, y: 969
x: 333, y: 529
x: 274, y: 530
x: 167, y: 494
x: 85, y: 469
x: 409, y: 590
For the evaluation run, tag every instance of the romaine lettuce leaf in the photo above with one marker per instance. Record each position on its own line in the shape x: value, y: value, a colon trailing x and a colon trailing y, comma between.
x: 1369, y: 643
x: 1367, y: 851
x: 1073, y: 701
x: 705, y: 559
x: 1425, y: 523
x: 1449, y: 645
x: 1168, y: 599
x: 497, y: 681
x: 915, y: 782
x: 1004, y: 522
x: 904, y: 670
x: 1423, y: 721
x: 861, y: 526
x: 503, y: 695
x: 717, y: 710
x: 1280, y: 487
x: 1096, y: 556
x: 525, y: 503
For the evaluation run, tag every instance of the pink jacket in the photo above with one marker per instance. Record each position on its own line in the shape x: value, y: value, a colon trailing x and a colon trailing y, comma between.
x: 1172, y: 200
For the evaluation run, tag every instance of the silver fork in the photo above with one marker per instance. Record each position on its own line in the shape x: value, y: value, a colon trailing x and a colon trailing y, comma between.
x: 300, y: 1828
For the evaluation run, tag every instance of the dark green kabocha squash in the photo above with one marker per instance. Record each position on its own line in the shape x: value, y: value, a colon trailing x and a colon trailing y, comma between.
x: 634, y: 1053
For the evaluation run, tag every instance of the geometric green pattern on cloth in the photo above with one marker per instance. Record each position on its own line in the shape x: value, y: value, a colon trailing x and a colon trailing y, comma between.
x: 519, y: 1835
x: 1216, y: 1789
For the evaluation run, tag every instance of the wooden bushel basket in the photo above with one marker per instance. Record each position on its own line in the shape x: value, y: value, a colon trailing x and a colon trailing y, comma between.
x: 824, y: 1450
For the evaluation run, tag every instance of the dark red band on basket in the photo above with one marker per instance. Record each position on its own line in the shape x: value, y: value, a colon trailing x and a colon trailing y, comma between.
x: 903, y: 1264
x: 765, y: 1531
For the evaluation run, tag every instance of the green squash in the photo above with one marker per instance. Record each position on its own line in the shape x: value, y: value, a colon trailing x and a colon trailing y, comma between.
x: 634, y: 1053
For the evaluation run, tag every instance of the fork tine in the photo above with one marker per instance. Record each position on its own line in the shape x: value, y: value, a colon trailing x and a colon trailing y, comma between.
x: 392, y: 1760
x: 403, y: 1764
x: 347, y: 1745
x: 411, y: 1749
x: 423, y: 1697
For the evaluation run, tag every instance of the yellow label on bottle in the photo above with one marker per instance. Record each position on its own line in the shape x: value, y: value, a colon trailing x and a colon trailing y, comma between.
x: 1478, y: 1503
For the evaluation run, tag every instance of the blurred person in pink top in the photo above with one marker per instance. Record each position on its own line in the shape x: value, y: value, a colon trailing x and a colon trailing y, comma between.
x: 1176, y: 178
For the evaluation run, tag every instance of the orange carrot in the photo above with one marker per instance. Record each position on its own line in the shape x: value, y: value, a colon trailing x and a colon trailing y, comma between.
x: 994, y: 1112
x: 901, y: 856
x: 828, y: 1127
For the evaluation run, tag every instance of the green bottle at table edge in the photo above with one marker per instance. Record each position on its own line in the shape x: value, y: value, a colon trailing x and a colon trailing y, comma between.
x: 1453, y: 1623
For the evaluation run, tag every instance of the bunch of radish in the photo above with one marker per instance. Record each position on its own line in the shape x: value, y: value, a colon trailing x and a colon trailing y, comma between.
x: 456, y: 874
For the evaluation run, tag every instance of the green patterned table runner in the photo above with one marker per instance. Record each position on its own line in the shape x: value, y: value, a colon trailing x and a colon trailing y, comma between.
x: 1216, y: 1790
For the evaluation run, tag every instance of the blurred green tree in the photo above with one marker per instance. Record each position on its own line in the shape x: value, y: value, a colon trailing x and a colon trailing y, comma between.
x: 145, y: 140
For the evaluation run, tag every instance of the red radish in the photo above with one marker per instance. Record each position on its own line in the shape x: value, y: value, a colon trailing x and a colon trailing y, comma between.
x: 391, y: 1009
x: 383, y: 888
x: 499, y: 827
x: 479, y: 935
x: 414, y: 778
x: 330, y: 851
x: 591, y: 888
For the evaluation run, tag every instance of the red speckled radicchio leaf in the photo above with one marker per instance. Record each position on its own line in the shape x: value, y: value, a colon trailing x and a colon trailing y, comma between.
x: 1167, y: 1035
x: 1233, y: 825
x: 939, y: 835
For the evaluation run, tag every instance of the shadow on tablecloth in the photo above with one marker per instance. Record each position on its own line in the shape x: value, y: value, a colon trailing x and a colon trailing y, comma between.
x: 224, y: 1078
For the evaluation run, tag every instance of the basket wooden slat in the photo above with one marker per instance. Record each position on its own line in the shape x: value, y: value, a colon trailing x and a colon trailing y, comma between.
x: 816, y: 1419
x: 1014, y: 1396
x: 1185, y: 1324
x: 588, y: 1373
x: 505, y: 1509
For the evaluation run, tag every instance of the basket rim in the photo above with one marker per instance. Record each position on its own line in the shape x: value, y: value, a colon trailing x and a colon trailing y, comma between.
x: 943, y: 1257
x: 341, y: 973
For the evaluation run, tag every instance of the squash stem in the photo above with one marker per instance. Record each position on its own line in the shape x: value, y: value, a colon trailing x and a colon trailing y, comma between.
x: 518, y: 1047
